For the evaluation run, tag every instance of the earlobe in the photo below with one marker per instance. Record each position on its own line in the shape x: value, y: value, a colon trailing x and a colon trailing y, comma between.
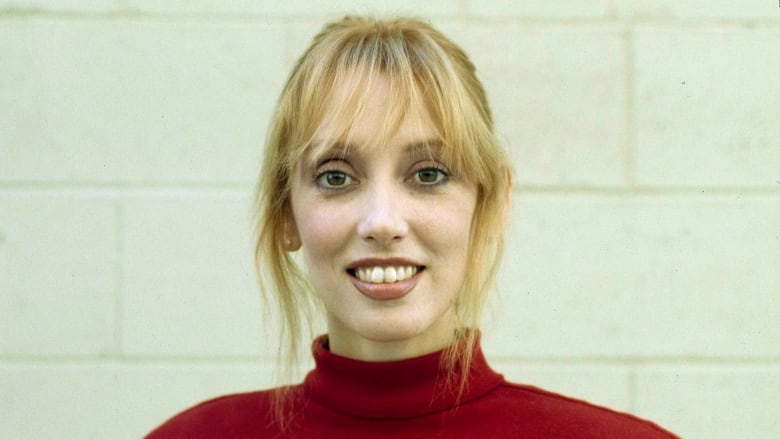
x: 291, y: 244
x: 292, y: 240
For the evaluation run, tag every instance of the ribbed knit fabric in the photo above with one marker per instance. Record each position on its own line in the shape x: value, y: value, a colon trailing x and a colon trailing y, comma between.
x: 345, y: 398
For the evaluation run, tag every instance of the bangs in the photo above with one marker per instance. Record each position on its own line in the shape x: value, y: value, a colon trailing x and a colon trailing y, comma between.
x: 348, y: 101
x: 420, y: 84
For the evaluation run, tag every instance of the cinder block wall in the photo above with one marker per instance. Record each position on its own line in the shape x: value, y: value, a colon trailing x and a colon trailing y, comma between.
x: 643, y: 252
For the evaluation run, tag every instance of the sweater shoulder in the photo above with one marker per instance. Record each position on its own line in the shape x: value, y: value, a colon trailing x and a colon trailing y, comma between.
x: 238, y: 415
x: 572, y: 417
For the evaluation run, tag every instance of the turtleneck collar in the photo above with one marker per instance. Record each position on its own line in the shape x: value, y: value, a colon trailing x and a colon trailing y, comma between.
x: 394, y: 389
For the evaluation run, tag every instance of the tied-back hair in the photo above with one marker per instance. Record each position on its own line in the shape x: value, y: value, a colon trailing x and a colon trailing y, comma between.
x: 425, y: 70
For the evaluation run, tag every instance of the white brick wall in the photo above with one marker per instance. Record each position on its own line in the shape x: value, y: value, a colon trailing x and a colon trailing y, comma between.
x: 544, y: 83
x: 112, y: 398
x: 641, y: 263
x: 137, y: 100
x: 706, y: 105
x: 209, y: 284
x: 58, y: 279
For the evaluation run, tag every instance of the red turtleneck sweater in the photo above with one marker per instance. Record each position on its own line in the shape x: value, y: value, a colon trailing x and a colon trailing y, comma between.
x: 344, y: 398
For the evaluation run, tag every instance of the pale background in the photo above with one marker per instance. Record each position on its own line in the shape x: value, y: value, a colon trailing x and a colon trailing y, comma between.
x: 643, y: 254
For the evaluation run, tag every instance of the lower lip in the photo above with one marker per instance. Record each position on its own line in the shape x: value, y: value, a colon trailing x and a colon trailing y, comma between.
x: 393, y: 291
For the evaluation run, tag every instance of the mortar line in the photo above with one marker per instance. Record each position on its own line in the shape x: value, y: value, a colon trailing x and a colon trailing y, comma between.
x: 110, y: 190
x: 121, y: 188
x: 636, y: 191
x: 632, y: 390
x: 122, y: 11
x: 119, y: 300
x: 629, y: 131
x: 768, y: 363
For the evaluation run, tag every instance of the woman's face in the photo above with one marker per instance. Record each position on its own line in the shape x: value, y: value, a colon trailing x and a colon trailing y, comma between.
x: 385, y: 235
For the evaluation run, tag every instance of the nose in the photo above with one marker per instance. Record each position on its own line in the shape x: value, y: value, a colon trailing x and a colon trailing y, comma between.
x: 382, y: 218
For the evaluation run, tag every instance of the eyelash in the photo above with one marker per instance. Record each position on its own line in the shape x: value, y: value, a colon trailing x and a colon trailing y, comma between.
x: 320, y: 177
x: 435, y: 167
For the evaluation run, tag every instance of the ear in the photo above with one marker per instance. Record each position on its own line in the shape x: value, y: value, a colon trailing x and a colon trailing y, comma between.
x: 292, y: 240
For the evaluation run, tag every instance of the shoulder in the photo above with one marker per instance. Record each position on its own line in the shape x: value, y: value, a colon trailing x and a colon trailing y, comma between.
x: 563, y: 416
x: 235, y: 415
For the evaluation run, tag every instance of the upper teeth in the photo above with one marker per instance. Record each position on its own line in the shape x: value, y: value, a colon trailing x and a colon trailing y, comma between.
x: 378, y: 275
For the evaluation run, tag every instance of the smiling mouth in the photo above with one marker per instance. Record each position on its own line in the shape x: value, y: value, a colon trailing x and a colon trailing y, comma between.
x: 385, y: 275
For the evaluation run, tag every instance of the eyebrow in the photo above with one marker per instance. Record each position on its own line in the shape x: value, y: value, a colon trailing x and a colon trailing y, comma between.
x: 428, y: 145
x: 340, y: 148
x: 318, y: 151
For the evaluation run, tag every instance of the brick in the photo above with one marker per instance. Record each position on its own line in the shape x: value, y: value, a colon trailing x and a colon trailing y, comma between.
x: 332, y: 8
x: 557, y: 96
x: 63, y: 5
x: 538, y: 8
x: 717, y: 402
x: 189, y: 286
x: 58, y: 274
x: 725, y: 9
x: 593, y: 276
x: 136, y: 101
x: 602, y: 385
x: 123, y: 401
x: 706, y: 107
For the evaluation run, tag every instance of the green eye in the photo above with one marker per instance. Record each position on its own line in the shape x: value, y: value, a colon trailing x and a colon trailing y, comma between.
x: 333, y: 179
x: 429, y: 176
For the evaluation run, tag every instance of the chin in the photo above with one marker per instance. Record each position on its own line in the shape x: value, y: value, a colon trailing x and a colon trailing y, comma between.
x: 405, y: 328
x: 392, y: 335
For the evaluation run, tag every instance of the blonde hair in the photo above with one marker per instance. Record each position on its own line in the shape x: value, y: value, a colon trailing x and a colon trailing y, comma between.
x: 423, y: 67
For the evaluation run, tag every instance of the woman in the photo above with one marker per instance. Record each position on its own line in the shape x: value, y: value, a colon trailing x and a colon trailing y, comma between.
x: 383, y: 170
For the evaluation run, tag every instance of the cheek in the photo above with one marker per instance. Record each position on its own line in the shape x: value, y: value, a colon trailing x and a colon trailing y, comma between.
x: 322, y: 233
x: 449, y: 222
